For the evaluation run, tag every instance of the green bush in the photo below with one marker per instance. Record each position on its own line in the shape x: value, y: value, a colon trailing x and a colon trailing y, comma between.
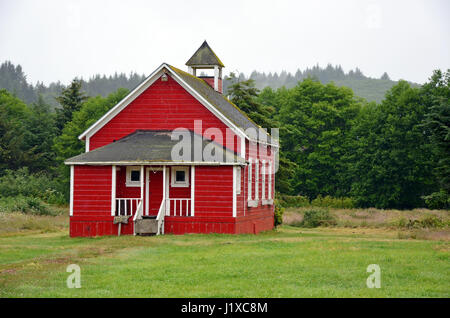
x: 428, y: 221
x: 437, y: 200
x: 330, y: 202
x: 318, y: 217
x: 293, y: 201
x: 279, y: 210
x: 27, y: 205
x: 21, y: 183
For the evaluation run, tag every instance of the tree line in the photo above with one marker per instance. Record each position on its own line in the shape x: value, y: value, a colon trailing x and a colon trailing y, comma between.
x: 372, y: 89
x: 14, y: 80
x: 393, y: 154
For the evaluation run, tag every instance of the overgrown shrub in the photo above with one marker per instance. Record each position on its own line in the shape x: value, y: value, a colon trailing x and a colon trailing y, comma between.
x: 427, y: 222
x: 21, y: 183
x: 318, y: 217
x: 293, y: 201
x: 279, y: 210
x: 27, y: 205
x: 437, y: 200
x: 328, y: 201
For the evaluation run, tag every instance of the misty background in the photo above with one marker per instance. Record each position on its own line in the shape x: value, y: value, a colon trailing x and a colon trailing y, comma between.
x: 59, y: 40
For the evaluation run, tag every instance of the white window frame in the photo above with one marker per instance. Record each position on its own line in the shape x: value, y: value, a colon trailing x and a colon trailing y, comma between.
x: 238, y: 179
x: 263, y: 183
x: 250, y: 165
x: 257, y: 180
x: 128, y: 181
x: 178, y: 184
x: 269, y: 190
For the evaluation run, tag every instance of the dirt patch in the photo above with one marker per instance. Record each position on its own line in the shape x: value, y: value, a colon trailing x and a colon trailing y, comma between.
x: 291, y: 218
x: 426, y: 234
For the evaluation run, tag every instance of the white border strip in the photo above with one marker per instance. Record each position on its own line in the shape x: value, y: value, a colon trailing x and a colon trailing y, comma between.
x: 72, y: 174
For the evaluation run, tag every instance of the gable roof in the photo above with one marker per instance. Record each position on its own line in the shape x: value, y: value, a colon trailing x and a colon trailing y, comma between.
x: 217, y: 103
x: 218, y: 100
x: 204, y: 56
x: 151, y: 147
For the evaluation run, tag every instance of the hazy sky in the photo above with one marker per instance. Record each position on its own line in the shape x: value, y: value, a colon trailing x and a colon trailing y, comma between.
x: 59, y: 40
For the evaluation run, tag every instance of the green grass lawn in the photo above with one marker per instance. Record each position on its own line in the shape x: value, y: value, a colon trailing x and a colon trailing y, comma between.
x: 289, y: 262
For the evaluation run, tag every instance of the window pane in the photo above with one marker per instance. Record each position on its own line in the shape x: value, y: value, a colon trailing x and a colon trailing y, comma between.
x: 135, y: 175
x: 180, y: 176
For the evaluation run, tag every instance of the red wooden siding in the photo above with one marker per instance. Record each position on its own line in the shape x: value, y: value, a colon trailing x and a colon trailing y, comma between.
x: 92, y: 202
x: 92, y: 191
x: 214, y: 191
x: 167, y: 106
x: 213, y: 203
x: 163, y: 106
x: 210, y: 81
x: 258, y: 218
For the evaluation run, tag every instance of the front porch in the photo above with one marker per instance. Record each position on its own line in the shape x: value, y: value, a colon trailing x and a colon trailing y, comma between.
x: 147, y: 194
x: 134, y: 186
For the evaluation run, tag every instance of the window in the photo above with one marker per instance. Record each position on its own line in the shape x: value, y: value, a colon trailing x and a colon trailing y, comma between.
x: 133, y: 178
x: 263, y: 176
x: 269, y: 189
x: 180, y: 177
x: 256, y: 180
x: 250, y: 179
x: 238, y: 180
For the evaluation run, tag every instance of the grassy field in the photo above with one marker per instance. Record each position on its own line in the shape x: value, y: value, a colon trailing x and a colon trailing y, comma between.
x: 288, y: 262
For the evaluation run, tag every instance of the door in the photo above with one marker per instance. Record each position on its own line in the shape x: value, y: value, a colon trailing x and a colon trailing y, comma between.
x: 154, y: 190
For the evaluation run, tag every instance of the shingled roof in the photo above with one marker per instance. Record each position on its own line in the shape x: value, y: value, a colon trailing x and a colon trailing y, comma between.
x: 219, y: 101
x: 222, y: 105
x: 204, y: 56
x: 149, y: 146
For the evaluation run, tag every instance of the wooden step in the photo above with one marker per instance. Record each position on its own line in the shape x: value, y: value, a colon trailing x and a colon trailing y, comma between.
x: 147, y: 226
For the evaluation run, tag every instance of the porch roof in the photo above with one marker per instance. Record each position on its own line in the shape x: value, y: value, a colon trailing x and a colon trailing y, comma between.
x: 151, y: 147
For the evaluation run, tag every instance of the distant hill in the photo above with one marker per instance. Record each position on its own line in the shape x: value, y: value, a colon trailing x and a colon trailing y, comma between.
x: 14, y: 80
x: 372, y: 89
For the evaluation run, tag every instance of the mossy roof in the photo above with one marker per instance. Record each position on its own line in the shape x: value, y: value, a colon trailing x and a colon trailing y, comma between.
x: 219, y: 101
x: 147, y: 146
x: 204, y: 56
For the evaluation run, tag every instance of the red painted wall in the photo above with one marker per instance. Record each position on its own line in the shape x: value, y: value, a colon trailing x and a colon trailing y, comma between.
x: 166, y: 106
x: 92, y: 203
x: 163, y: 106
x: 210, y: 81
x: 213, y: 203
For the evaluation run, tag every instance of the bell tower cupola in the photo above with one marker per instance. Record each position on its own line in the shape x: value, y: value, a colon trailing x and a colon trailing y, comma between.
x: 205, y: 58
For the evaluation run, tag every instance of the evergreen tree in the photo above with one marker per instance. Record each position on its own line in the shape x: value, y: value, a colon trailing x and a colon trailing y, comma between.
x: 393, y: 160
x: 436, y: 94
x: 385, y: 77
x: 41, y: 132
x: 71, y: 100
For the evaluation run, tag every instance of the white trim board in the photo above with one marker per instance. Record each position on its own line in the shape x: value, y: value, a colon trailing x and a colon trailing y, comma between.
x: 161, y: 163
x: 72, y: 174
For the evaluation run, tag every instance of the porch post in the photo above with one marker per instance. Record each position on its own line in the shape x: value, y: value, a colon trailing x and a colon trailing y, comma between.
x: 71, y: 189
x: 142, y: 183
x: 192, y: 190
x: 234, y: 190
x: 167, y: 189
x: 113, y: 191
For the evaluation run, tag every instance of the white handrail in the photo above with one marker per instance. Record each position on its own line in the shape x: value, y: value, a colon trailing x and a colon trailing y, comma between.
x: 138, y: 213
x: 160, y: 217
x: 173, y: 202
x: 125, y: 206
x: 162, y: 207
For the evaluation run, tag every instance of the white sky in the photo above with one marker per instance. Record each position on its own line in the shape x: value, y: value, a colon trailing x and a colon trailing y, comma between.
x: 59, y: 40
